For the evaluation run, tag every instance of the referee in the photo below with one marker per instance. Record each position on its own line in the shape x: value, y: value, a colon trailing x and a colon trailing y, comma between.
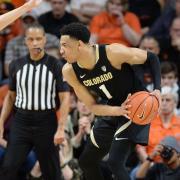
x: 34, y: 83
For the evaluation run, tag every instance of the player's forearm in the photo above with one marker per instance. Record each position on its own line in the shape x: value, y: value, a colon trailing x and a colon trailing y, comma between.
x: 9, y: 17
x: 132, y: 36
x: 7, y: 107
x: 106, y: 110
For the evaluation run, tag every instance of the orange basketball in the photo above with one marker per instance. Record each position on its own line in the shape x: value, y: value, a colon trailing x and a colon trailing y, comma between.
x: 144, y: 107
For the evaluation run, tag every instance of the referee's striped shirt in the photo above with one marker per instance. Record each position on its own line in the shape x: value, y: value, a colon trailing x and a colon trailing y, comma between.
x: 36, y: 82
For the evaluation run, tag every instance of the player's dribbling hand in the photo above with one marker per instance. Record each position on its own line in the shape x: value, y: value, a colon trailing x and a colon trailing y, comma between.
x: 33, y: 3
x: 59, y: 136
x: 125, y: 107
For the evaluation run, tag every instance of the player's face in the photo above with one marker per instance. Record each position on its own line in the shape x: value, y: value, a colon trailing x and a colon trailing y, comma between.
x: 69, y: 48
x: 35, y: 40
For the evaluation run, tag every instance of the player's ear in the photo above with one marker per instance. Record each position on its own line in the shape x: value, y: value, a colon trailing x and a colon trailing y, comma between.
x: 81, y: 44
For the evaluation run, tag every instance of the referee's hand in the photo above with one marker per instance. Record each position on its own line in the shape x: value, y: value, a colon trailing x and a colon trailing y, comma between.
x: 59, y: 136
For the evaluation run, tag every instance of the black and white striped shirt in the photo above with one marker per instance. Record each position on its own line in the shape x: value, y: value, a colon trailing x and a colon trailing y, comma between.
x: 36, y: 82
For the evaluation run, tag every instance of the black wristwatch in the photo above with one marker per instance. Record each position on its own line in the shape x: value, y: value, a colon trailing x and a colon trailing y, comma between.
x: 149, y: 159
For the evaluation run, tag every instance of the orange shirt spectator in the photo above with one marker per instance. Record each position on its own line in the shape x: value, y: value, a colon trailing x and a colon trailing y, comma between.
x: 108, y: 29
x: 158, y: 131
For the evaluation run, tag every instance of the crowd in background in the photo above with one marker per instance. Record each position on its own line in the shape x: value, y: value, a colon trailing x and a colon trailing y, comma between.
x: 153, y: 25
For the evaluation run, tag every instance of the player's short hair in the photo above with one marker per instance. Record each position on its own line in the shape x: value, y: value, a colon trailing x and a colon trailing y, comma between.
x: 77, y: 31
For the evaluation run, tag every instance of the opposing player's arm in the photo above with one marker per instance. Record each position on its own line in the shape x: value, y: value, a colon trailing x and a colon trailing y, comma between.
x: 11, y: 16
x: 119, y: 54
x: 84, y: 95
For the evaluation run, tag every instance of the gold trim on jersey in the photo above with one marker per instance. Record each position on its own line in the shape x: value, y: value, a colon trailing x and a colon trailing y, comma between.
x: 93, y: 138
x: 123, y: 127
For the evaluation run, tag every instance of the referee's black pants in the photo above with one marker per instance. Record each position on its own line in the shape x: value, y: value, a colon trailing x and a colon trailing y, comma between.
x: 29, y: 130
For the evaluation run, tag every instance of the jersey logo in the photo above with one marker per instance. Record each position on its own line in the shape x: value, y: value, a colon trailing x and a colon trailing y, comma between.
x: 141, y: 116
x: 103, y: 68
x: 81, y: 76
x: 119, y: 139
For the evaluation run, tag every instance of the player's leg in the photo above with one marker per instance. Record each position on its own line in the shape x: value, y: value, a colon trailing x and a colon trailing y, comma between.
x: 96, y: 148
x: 129, y: 134
x: 120, y: 151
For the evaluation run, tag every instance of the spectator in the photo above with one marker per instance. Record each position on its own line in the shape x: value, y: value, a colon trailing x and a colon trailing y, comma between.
x: 69, y: 164
x: 170, y: 48
x: 85, y: 10
x: 82, y: 132
x: 169, y: 152
x: 147, y: 11
x: 16, y: 48
x: 116, y: 25
x: 54, y: 20
x: 160, y: 29
x: 169, y: 77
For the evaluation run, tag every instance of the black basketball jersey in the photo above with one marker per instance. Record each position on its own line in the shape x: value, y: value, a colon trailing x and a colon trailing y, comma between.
x: 109, y: 83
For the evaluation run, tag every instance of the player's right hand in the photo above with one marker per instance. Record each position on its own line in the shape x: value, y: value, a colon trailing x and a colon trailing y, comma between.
x: 1, y: 130
x: 124, y: 108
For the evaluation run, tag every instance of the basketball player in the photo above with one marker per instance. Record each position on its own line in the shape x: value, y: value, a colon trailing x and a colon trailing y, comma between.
x: 106, y: 70
x: 11, y: 16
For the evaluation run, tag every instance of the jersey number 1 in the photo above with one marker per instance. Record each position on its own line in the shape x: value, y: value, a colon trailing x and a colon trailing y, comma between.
x: 105, y: 91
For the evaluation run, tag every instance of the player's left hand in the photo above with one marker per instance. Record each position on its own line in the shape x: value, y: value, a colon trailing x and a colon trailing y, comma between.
x: 59, y: 136
x: 157, y: 93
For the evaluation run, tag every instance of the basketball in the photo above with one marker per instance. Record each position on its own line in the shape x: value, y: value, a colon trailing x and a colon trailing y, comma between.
x: 144, y: 107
